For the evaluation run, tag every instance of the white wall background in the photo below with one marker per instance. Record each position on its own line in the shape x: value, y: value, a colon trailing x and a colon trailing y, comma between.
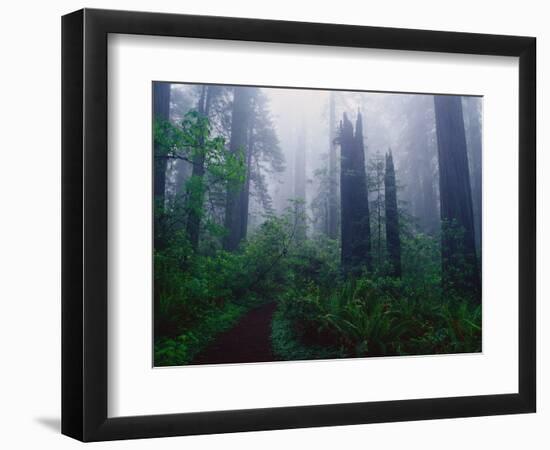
x: 30, y: 222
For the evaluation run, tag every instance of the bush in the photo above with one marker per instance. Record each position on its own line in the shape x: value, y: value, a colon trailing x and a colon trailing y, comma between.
x: 382, y: 317
x: 181, y: 350
x: 187, y: 286
x: 197, y: 296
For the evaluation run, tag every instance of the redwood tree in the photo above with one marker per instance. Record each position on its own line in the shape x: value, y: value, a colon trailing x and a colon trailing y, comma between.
x: 355, y: 220
x: 196, y: 191
x: 161, y: 112
x: 245, y: 192
x: 240, y: 116
x: 459, y: 261
x: 472, y: 122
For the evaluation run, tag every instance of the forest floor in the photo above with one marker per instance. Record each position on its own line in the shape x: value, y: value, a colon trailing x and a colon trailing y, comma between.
x: 248, y: 341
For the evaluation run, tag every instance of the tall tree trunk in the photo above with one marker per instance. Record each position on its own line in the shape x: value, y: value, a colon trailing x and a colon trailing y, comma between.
x: 472, y: 116
x: 300, y: 184
x: 161, y: 112
x: 333, y: 182
x: 459, y: 261
x: 239, y: 128
x: 245, y: 193
x: 196, y: 191
x: 393, y: 241
x: 354, y: 202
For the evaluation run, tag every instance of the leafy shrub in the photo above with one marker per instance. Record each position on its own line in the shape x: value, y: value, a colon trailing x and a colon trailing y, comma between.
x: 180, y: 350
x: 381, y: 317
x: 197, y: 296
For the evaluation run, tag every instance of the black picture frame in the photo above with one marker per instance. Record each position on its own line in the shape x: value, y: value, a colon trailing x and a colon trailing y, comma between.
x: 84, y: 224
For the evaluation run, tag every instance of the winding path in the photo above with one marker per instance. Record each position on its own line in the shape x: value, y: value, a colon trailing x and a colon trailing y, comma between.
x: 248, y: 341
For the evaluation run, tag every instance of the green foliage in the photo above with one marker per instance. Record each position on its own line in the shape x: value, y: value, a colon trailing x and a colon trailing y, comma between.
x: 180, y: 350
x: 375, y: 315
x: 187, y: 286
x: 320, y: 313
x: 197, y: 296
x: 421, y: 261
x: 202, y: 290
x: 459, y: 261
x: 190, y: 140
x: 287, y: 347
x: 381, y: 317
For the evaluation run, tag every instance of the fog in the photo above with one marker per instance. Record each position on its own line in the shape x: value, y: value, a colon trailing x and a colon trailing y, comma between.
x: 404, y: 123
x: 351, y: 221
x: 300, y: 121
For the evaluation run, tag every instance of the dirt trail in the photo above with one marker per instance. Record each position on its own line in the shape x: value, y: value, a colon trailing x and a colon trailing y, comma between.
x: 248, y: 341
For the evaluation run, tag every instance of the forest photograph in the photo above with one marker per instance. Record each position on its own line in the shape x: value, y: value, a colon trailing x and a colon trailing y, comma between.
x: 305, y: 224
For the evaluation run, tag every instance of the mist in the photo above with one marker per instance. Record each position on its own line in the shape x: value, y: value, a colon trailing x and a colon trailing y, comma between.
x: 310, y: 223
x: 404, y: 123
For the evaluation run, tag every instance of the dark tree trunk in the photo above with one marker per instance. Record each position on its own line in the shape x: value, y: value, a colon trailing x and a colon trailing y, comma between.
x: 333, y: 182
x: 459, y: 261
x: 354, y: 202
x: 161, y: 112
x: 300, y: 184
x: 239, y: 128
x: 196, y: 195
x: 393, y: 242
x: 472, y: 111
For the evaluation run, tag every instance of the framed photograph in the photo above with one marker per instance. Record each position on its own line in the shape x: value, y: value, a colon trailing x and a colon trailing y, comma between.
x: 273, y: 224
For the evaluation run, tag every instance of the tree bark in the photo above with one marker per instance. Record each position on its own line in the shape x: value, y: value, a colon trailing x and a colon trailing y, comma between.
x: 459, y: 261
x: 239, y: 127
x: 245, y: 193
x: 161, y: 112
x: 393, y: 241
x: 196, y: 195
x: 472, y: 111
x: 354, y: 202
